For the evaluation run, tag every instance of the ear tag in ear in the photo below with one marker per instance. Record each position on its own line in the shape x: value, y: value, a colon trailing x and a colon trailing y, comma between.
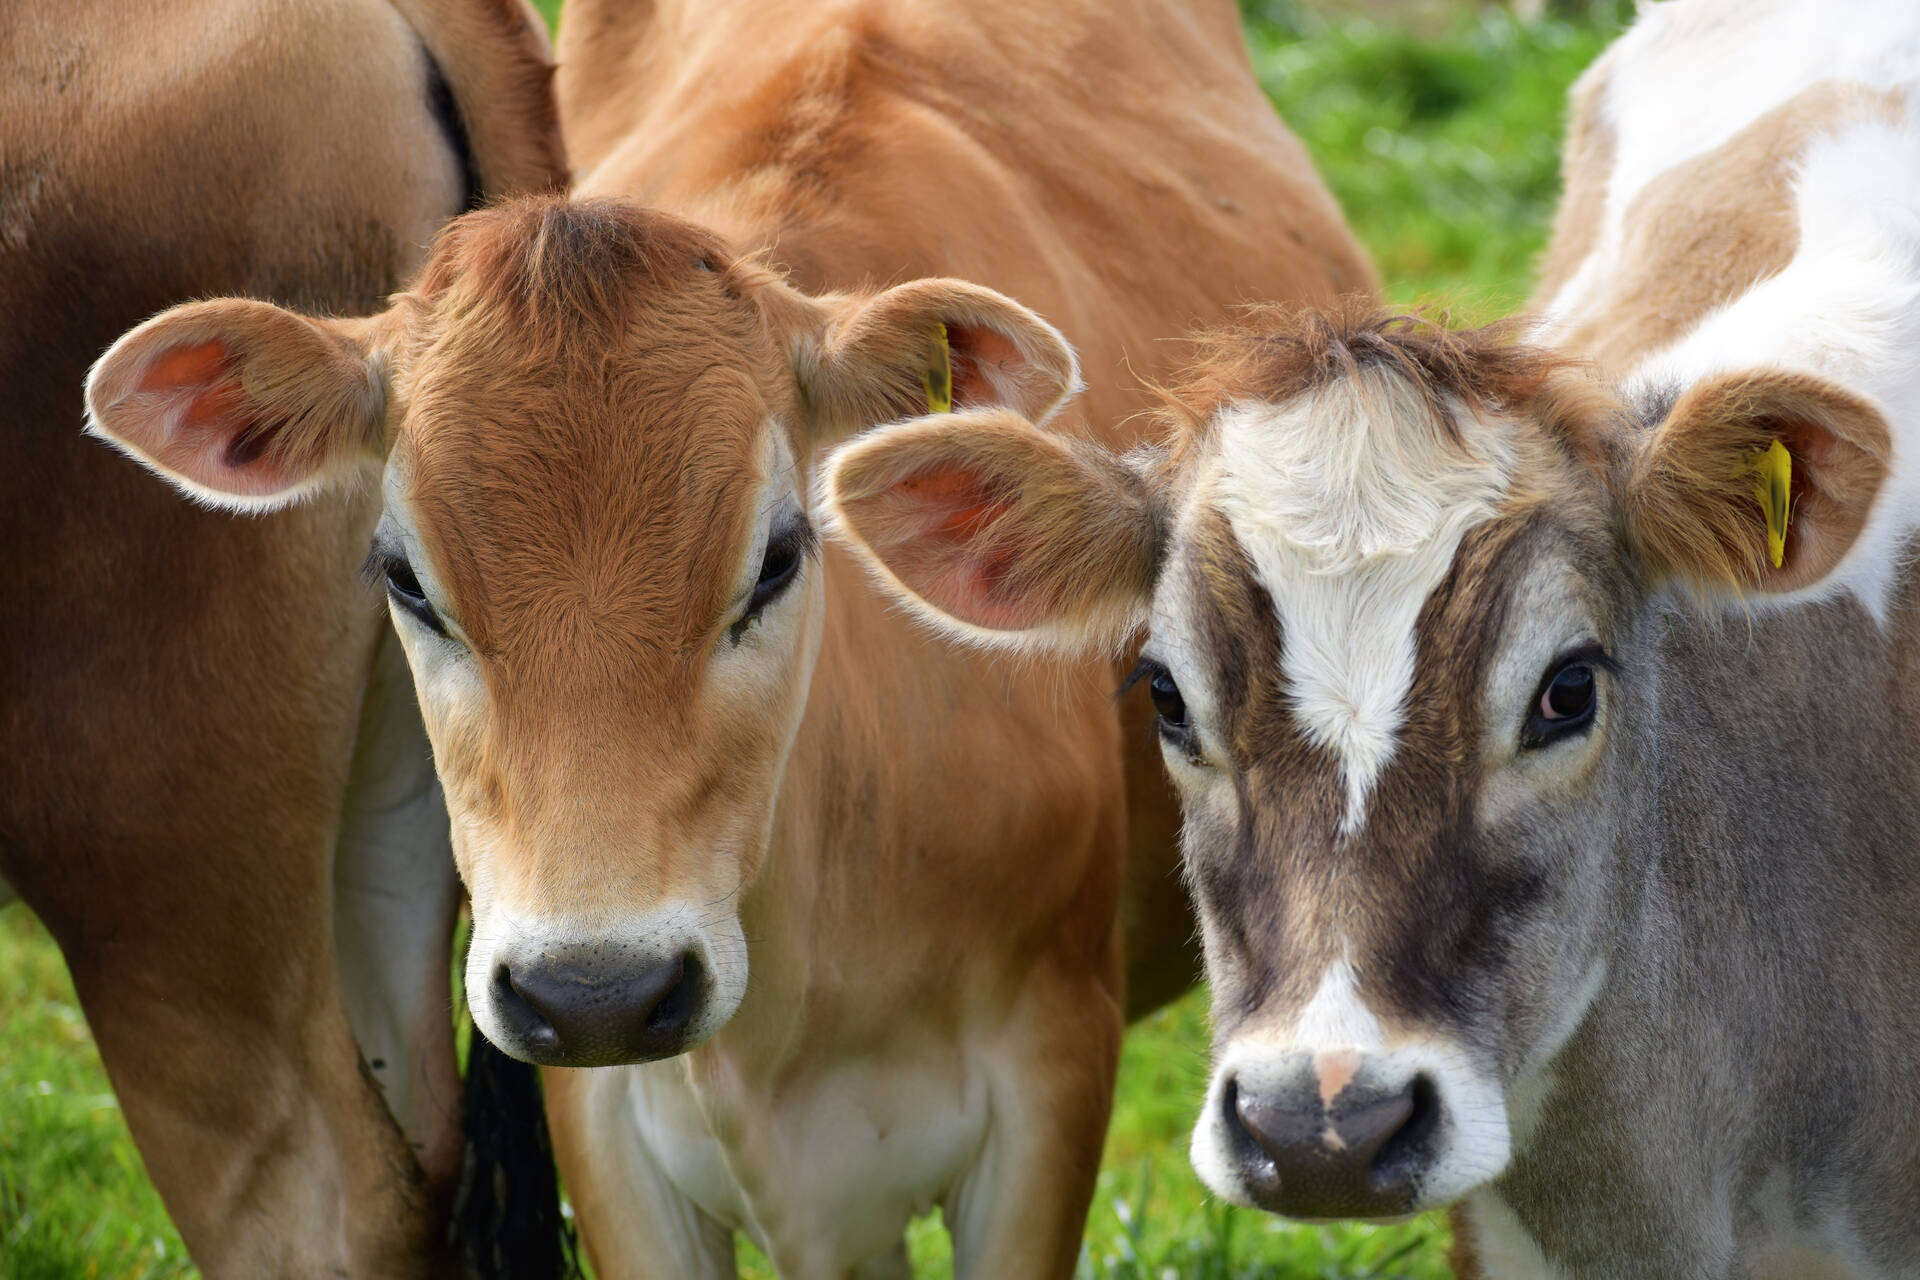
x: 1773, y: 490
x: 937, y: 377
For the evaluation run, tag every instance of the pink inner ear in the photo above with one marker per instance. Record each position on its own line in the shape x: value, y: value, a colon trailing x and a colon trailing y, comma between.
x: 208, y: 430
x: 977, y: 354
x: 949, y: 537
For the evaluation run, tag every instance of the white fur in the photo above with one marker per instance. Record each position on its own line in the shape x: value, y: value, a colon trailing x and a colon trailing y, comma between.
x: 1336, y: 1017
x: 395, y: 893
x: 1502, y: 1244
x: 1351, y: 507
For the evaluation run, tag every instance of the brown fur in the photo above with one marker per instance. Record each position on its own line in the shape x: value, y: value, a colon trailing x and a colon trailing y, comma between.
x: 1586, y: 162
x: 1688, y: 492
x: 1698, y: 236
x: 181, y: 689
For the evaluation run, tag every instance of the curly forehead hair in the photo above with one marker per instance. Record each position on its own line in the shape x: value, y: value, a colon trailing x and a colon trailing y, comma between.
x: 1277, y: 352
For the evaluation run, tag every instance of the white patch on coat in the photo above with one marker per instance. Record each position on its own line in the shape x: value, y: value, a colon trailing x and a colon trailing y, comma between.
x: 1506, y: 1250
x: 1350, y: 504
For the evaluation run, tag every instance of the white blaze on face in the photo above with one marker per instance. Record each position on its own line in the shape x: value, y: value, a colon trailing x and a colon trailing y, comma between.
x: 1351, y: 504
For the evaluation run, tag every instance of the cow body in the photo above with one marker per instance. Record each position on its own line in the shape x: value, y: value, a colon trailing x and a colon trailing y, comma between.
x: 182, y: 701
x: 1547, y: 802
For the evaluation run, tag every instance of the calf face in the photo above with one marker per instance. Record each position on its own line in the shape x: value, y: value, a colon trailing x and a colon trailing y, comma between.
x: 1390, y: 578
x: 592, y: 428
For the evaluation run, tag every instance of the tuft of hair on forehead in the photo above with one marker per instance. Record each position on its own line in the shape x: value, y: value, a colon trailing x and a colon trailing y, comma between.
x: 561, y: 272
x: 1276, y: 352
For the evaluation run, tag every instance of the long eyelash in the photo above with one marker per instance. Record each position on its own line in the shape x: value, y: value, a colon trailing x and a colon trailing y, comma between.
x: 1592, y: 654
x: 1141, y: 670
x: 379, y: 562
x: 803, y: 535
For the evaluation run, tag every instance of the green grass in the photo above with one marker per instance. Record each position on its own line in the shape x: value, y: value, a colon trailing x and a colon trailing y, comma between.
x: 74, y: 1198
x: 1443, y: 149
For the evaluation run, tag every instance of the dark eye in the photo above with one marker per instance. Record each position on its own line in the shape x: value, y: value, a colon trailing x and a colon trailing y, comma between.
x: 1564, y: 705
x: 778, y: 569
x: 404, y: 589
x: 1168, y: 702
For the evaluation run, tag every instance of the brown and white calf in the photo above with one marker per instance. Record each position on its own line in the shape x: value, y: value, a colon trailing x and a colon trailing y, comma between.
x: 215, y: 790
x: 844, y: 905
x: 1555, y: 846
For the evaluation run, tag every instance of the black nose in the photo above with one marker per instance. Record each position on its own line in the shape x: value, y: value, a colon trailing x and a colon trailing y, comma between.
x: 1361, y: 1157
x: 574, y: 1013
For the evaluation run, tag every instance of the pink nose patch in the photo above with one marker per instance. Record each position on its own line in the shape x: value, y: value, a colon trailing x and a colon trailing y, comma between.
x: 1335, y: 1071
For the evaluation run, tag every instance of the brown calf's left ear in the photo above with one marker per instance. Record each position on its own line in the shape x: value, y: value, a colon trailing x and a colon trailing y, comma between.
x: 933, y: 345
x: 1712, y: 503
x: 996, y: 532
x: 240, y: 403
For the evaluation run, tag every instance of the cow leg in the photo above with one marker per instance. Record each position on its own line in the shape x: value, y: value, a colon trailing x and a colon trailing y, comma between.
x: 178, y: 746
x: 1021, y: 1210
x: 635, y: 1224
x: 396, y: 894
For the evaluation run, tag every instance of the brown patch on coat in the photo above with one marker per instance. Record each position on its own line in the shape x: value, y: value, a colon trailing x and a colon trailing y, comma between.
x: 1586, y: 168
x: 1706, y: 231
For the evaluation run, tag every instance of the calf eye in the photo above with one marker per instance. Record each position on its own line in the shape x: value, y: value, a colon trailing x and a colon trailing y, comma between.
x: 778, y: 568
x: 404, y: 589
x: 1564, y: 704
x: 1168, y: 702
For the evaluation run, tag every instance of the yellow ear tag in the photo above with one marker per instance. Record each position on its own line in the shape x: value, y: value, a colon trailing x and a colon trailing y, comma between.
x: 937, y: 377
x: 1773, y: 490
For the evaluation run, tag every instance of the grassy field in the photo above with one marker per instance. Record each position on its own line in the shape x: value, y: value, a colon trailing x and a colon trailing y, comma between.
x: 1441, y: 145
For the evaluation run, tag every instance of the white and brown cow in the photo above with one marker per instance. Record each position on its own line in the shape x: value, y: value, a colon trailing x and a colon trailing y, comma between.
x: 216, y: 791
x: 1545, y: 745
x: 844, y: 904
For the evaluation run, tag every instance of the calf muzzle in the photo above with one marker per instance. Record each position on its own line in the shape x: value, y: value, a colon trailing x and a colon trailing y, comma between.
x: 573, y: 1012
x: 1357, y: 1155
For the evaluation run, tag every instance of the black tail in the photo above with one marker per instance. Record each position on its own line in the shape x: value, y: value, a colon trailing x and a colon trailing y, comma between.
x: 507, y: 1223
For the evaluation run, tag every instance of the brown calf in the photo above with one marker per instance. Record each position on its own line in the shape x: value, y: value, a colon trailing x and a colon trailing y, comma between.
x: 180, y: 693
x: 712, y: 796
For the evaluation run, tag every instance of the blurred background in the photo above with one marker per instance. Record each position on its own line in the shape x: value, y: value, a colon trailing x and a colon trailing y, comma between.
x: 1437, y: 123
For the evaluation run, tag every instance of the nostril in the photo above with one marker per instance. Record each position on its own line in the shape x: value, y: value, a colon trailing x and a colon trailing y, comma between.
x: 1405, y: 1151
x: 670, y: 1017
x: 521, y: 1014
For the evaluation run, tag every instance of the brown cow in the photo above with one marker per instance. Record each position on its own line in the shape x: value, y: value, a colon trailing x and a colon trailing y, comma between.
x: 1545, y: 745
x: 180, y: 693
x: 681, y: 742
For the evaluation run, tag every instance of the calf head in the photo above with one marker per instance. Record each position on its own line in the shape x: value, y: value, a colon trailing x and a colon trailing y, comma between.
x: 593, y: 428
x: 1390, y: 577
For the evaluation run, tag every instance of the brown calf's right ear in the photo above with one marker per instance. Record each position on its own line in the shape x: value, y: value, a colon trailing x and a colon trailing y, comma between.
x: 932, y: 345
x: 241, y: 404
x: 998, y: 533
x: 1695, y: 489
